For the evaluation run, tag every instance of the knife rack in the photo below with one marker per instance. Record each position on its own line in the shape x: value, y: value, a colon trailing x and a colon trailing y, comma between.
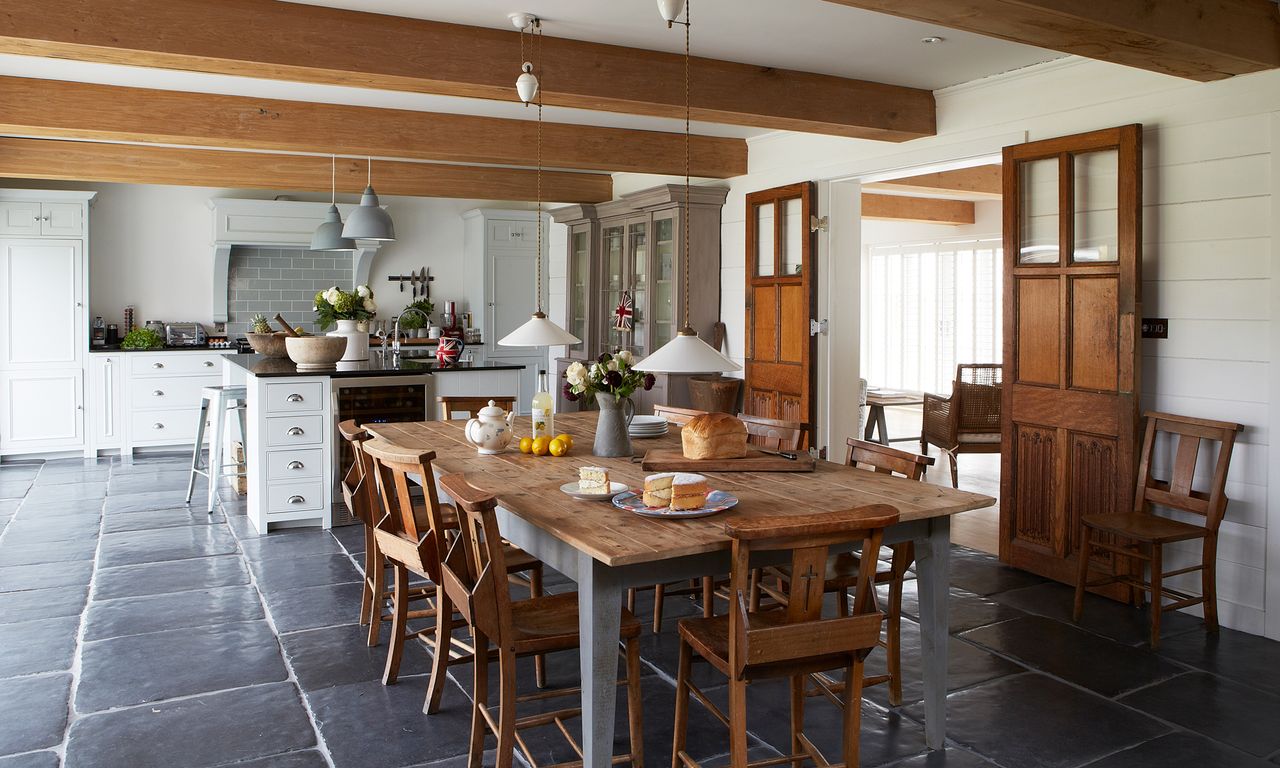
x: 425, y: 278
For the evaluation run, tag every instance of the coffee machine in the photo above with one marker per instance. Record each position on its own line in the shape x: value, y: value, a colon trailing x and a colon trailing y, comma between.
x: 449, y: 319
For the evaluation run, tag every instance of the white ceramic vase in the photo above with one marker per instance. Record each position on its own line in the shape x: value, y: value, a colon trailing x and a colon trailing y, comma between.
x: 357, y: 342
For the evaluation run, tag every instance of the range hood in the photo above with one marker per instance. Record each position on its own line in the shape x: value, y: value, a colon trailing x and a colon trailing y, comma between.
x: 272, y: 224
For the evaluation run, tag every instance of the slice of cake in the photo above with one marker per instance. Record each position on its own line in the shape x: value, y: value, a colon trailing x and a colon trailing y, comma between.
x: 657, y: 490
x: 593, y: 479
x: 688, y: 491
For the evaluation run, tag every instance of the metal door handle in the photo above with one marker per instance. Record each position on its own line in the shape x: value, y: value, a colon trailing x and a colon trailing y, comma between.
x: 208, y: 363
x: 157, y: 393
x: 157, y: 365
x: 46, y: 217
x: 295, y: 431
x: 295, y: 499
x: 157, y: 425
x: 295, y: 465
x: 294, y: 398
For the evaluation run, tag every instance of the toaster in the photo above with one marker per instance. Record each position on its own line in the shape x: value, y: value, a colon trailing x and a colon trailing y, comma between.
x: 184, y: 335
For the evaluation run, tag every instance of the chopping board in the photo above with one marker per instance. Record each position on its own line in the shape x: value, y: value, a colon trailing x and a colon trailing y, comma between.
x: 671, y: 460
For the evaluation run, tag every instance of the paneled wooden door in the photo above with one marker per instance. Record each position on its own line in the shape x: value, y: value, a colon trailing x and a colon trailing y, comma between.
x: 781, y: 289
x: 1072, y: 260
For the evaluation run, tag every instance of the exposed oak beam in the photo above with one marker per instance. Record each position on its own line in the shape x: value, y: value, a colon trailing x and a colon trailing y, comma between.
x: 56, y: 109
x: 140, y: 164
x: 1196, y: 39
x: 983, y: 181
x: 929, y: 210
x: 288, y: 41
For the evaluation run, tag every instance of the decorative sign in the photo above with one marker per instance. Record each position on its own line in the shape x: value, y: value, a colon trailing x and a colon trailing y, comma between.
x: 624, y: 315
x: 1155, y: 327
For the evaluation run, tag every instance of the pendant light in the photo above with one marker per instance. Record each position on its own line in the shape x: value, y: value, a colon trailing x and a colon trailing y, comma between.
x: 328, y: 236
x: 527, y: 82
x: 539, y: 331
x: 686, y: 353
x: 369, y: 221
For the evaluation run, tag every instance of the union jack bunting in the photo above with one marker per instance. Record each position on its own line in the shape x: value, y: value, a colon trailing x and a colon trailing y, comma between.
x: 624, y: 315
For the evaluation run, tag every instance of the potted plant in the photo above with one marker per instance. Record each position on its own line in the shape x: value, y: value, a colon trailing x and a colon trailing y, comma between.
x: 346, y: 309
x: 142, y: 338
x: 612, y: 380
x: 415, y: 322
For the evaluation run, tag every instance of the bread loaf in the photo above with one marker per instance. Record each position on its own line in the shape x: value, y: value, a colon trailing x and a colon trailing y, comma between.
x: 714, y: 436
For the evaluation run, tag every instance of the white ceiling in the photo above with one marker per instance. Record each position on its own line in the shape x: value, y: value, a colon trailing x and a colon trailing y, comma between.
x: 808, y: 35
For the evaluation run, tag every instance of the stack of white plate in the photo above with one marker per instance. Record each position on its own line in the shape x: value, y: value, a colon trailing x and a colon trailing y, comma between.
x: 648, y: 426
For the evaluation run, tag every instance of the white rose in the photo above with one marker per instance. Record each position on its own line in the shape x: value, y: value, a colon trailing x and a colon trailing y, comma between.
x: 575, y: 374
x: 331, y: 295
x: 612, y: 365
x: 363, y: 291
x: 369, y: 306
x: 626, y: 356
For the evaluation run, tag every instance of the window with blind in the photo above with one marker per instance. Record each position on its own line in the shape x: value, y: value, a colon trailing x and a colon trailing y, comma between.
x: 927, y: 307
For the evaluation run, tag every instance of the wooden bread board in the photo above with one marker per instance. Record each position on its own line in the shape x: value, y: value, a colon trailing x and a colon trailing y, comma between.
x: 671, y: 460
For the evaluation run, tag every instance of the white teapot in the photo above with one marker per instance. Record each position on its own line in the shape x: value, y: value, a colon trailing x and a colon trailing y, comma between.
x: 492, y: 431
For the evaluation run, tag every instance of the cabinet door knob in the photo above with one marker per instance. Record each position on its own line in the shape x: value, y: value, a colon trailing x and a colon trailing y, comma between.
x: 208, y: 363
x: 296, y: 499
x: 157, y: 425
x: 295, y: 465
x: 295, y: 431
x: 157, y: 365
x: 157, y: 393
x: 294, y: 398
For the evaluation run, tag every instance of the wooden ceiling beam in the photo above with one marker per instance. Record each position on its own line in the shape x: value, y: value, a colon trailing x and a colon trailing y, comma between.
x: 140, y: 164
x: 57, y: 109
x: 927, y: 210
x: 978, y: 182
x: 1197, y: 39
x: 289, y: 41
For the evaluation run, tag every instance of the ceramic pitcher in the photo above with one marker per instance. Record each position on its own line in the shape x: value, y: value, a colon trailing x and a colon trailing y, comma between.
x: 612, y: 437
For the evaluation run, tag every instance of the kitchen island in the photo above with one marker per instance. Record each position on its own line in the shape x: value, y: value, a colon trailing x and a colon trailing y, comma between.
x: 292, y: 447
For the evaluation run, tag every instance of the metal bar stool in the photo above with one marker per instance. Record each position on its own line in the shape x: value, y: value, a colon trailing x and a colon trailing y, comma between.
x: 220, y: 399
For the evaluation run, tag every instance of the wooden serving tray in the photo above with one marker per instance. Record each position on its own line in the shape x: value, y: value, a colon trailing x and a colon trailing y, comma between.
x: 670, y: 460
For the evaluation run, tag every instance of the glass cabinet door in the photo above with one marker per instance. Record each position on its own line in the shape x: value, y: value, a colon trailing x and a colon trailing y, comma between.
x: 613, y: 283
x: 663, y: 311
x: 638, y: 258
x: 579, y: 286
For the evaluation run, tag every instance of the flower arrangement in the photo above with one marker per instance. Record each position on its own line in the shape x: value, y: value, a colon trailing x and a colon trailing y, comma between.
x: 609, y: 373
x: 336, y: 304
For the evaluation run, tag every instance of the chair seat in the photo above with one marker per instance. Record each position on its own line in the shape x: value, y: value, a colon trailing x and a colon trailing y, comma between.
x: 710, y: 638
x: 550, y: 623
x: 1145, y: 528
x: 518, y: 560
x: 978, y: 438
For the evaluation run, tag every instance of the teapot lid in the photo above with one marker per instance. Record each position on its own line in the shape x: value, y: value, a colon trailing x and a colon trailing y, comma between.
x: 491, y: 411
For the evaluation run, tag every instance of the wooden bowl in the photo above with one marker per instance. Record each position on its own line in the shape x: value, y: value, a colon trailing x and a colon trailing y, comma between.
x: 315, y: 352
x: 268, y: 344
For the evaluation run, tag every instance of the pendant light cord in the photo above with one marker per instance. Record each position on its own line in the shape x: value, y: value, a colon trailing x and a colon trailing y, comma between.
x: 333, y: 179
x: 688, y: 223
x: 538, y: 55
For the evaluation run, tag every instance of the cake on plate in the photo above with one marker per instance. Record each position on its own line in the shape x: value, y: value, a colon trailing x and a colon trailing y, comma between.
x: 714, y: 436
x: 593, y: 480
x: 677, y: 490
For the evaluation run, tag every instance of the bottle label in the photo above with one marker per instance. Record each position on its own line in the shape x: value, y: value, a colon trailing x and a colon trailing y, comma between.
x: 542, y: 422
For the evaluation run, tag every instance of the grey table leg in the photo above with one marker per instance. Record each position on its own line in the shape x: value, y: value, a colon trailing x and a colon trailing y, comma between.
x: 874, y: 414
x: 933, y: 555
x: 599, y: 616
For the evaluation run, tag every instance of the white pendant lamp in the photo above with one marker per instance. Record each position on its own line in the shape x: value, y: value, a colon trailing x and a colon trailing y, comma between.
x: 369, y: 221
x: 527, y: 84
x: 328, y: 236
x: 686, y: 353
x: 538, y: 331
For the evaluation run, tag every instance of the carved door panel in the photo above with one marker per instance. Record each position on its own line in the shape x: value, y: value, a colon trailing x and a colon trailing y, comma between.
x: 1072, y: 260
x: 780, y: 298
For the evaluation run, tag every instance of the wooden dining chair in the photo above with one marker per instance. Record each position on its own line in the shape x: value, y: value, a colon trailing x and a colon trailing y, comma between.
x: 450, y: 404
x: 412, y: 538
x: 677, y: 416
x: 1138, y: 537
x: 360, y: 492
x: 774, y: 434
x: 473, y: 584
x: 791, y: 641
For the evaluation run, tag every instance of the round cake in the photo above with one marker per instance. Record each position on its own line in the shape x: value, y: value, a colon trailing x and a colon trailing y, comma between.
x: 677, y: 490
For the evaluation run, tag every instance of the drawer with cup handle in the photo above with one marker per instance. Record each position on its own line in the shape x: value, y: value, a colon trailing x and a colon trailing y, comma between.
x: 295, y: 396
x: 205, y: 362
x: 295, y: 496
x: 167, y: 426
x: 295, y: 430
x: 169, y: 392
x: 291, y: 465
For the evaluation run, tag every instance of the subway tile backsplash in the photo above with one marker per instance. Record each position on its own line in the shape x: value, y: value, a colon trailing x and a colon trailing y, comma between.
x: 284, y: 280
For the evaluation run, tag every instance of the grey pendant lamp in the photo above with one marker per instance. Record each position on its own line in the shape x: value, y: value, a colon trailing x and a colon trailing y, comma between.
x: 328, y: 236
x: 538, y: 331
x: 369, y: 221
x: 686, y: 353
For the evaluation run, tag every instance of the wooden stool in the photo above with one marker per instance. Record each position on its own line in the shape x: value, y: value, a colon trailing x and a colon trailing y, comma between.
x: 217, y: 400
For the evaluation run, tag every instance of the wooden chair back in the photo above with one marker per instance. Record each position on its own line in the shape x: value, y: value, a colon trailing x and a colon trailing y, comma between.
x: 677, y: 416
x: 885, y: 460
x: 408, y: 533
x: 450, y: 404
x: 804, y: 634
x: 359, y: 486
x: 977, y: 395
x: 774, y: 434
x: 1188, y: 435
x: 474, y: 570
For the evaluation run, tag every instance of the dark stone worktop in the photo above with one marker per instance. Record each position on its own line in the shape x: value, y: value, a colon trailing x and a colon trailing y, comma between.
x: 374, y: 366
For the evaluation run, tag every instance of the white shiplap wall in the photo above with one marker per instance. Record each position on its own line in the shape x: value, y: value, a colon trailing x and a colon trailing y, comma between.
x: 1210, y: 262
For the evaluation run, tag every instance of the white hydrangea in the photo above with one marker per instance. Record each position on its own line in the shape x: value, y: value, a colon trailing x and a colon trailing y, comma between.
x: 363, y: 292
x: 369, y: 306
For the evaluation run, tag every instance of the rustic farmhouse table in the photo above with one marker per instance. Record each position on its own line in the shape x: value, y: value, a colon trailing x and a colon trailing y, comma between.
x: 606, y: 550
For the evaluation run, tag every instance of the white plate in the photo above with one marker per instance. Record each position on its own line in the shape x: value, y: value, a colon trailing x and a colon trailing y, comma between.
x: 614, y: 490
x: 633, y: 501
x: 652, y: 422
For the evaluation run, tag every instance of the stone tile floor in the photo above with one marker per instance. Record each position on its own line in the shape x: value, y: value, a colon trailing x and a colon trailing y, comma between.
x: 136, y: 631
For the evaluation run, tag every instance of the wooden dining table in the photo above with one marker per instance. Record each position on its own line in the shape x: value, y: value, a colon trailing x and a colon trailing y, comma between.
x: 605, y: 549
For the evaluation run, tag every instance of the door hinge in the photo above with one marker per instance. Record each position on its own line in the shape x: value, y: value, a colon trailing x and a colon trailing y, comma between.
x: 818, y: 327
x: 816, y: 223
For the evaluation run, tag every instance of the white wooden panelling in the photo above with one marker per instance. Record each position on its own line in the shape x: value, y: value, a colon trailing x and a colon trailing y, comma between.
x: 1225, y: 178
x: 1208, y: 299
x: 1239, y: 258
x: 1208, y: 220
x: 1248, y: 463
x: 1255, y: 416
x: 1245, y: 340
x: 1223, y: 380
x: 1194, y: 142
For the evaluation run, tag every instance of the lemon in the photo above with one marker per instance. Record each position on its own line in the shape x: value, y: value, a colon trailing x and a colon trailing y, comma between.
x: 567, y: 440
x: 558, y: 447
x: 526, y: 445
x: 540, y: 446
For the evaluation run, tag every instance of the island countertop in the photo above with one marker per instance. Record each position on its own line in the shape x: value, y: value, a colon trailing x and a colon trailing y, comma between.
x: 376, y: 365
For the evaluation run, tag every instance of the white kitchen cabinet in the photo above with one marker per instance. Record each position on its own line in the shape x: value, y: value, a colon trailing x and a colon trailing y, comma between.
x: 32, y: 218
x: 161, y: 396
x: 19, y: 218
x: 104, y: 413
x: 41, y: 287
x: 42, y: 411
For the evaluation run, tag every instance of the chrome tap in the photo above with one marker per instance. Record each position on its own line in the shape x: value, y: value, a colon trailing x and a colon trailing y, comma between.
x: 395, y: 334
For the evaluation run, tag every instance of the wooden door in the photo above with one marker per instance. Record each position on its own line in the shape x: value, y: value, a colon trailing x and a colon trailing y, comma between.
x: 781, y: 287
x: 1072, y: 298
